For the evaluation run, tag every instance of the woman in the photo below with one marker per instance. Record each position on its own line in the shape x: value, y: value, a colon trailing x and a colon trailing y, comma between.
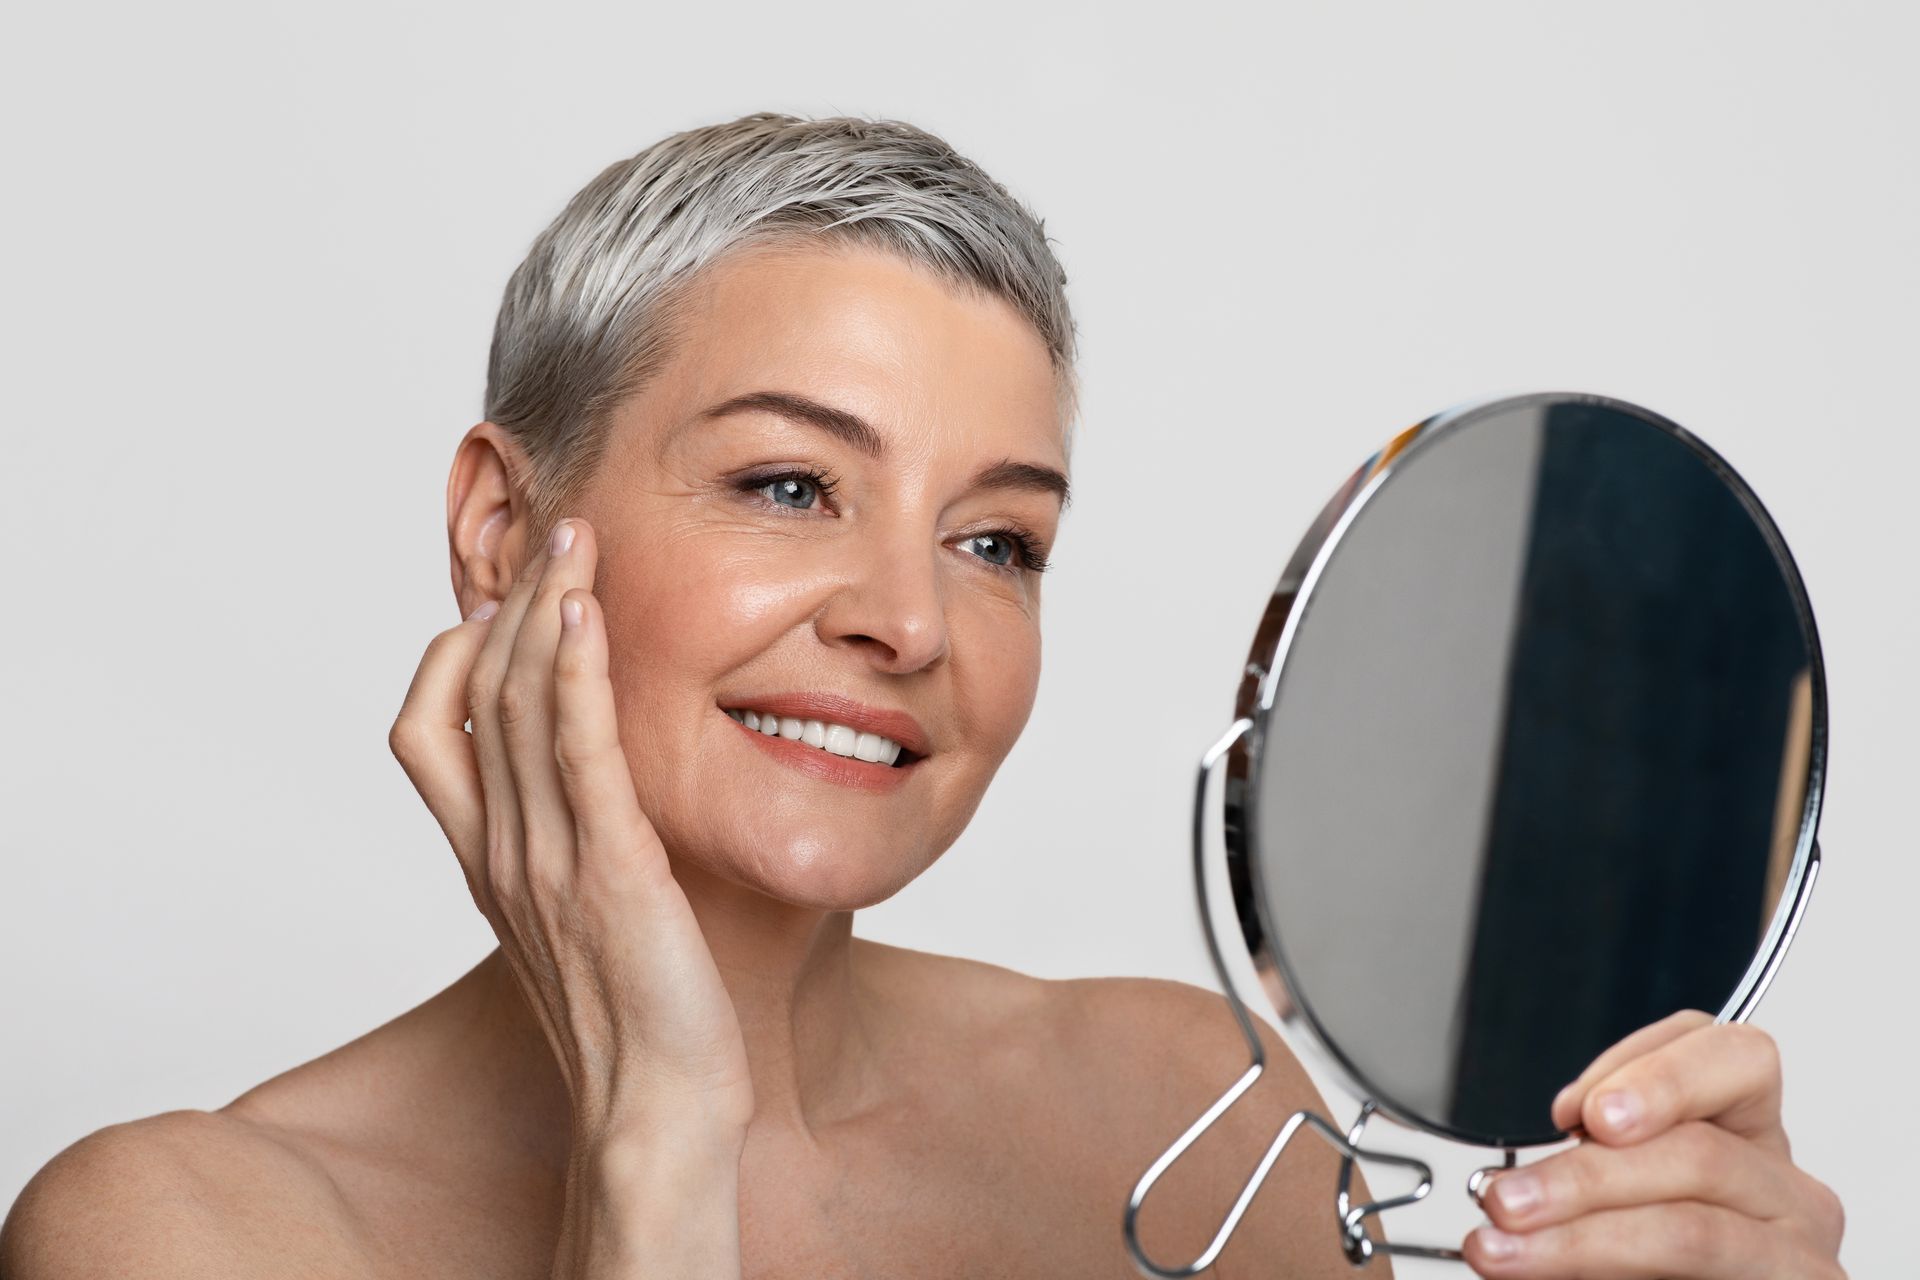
x: 750, y: 550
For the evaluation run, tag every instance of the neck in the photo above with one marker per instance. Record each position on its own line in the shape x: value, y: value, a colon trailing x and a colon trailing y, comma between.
x: 789, y: 972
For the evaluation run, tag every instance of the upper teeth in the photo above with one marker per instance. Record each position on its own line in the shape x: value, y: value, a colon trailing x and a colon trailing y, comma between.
x: 837, y: 738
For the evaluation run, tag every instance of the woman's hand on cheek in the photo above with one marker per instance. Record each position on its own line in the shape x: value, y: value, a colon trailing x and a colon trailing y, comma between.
x: 540, y: 807
x: 1684, y: 1171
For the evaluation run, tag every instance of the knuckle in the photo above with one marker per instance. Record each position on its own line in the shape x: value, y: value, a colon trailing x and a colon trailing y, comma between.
x: 546, y: 879
x: 403, y: 739
x: 1830, y: 1215
x: 482, y: 692
x: 1757, y: 1046
x: 574, y: 758
x: 519, y: 703
x: 502, y: 860
x: 482, y: 895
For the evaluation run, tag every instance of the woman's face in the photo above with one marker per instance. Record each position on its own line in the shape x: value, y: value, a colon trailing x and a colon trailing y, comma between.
x: 730, y: 579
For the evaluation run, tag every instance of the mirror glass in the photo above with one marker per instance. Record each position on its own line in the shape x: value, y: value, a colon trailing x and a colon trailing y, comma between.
x: 1538, y: 758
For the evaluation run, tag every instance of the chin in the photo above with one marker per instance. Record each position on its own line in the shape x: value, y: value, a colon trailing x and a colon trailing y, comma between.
x: 828, y: 877
x: 807, y: 870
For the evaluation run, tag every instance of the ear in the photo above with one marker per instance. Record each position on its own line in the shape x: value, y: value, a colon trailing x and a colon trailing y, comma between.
x: 486, y: 516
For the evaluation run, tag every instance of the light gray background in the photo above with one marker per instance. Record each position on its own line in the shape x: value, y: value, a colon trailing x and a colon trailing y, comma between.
x: 253, y: 256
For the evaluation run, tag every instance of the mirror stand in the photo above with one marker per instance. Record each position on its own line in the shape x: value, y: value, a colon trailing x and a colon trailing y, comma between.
x: 1358, y: 1244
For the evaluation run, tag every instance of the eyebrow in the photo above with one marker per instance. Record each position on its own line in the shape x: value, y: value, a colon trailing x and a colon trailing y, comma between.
x: 861, y: 435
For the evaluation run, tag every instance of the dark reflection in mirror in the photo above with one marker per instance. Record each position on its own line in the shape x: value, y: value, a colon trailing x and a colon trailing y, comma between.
x: 1536, y: 765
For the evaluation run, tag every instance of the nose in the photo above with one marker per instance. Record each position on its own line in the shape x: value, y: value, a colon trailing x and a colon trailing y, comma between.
x: 891, y: 606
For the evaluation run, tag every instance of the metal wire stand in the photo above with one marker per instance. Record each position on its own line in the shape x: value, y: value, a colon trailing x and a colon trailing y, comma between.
x: 1357, y: 1242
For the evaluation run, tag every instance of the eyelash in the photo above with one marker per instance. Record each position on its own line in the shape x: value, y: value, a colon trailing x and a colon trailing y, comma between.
x: 1026, y: 546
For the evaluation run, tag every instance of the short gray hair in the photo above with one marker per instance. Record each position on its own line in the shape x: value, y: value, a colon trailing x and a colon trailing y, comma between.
x: 589, y: 316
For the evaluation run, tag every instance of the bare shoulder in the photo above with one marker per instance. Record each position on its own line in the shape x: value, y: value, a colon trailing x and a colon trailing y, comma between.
x: 961, y: 998
x: 1157, y: 1028
x: 1092, y: 1078
x: 1152, y: 1044
x: 182, y: 1193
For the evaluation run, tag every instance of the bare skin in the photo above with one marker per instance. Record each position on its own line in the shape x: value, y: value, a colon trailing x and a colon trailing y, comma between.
x: 679, y: 1061
x: 437, y: 1146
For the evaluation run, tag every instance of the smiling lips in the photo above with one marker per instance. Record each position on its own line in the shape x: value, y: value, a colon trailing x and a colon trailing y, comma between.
x: 837, y: 738
x: 832, y: 738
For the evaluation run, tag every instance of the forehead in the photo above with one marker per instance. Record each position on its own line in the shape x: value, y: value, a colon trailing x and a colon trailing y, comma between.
x: 875, y: 334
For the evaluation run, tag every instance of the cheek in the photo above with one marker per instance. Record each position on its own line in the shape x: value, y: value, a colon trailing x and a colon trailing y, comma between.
x: 695, y: 610
x: 998, y: 677
x: 680, y: 621
x: 681, y: 618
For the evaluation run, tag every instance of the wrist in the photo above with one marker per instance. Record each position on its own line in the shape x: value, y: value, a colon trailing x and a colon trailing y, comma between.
x: 661, y: 1196
x: 638, y: 1154
x: 692, y: 1125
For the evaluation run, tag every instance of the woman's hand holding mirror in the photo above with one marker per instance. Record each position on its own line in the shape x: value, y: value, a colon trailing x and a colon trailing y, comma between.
x: 1684, y: 1170
x: 1529, y: 755
x: 539, y: 805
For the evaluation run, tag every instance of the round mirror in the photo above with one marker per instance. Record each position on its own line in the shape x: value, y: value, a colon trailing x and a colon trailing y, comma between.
x: 1537, y: 746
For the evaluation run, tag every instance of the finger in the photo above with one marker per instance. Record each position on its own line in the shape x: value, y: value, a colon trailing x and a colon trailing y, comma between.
x: 1680, y: 1238
x: 504, y: 834
x: 1567, y: 1105
x: 1728, y: 1072
x: 1696, y: 1160
x: 527, y: 712
x: 611, y: 834
x: 429, y: 738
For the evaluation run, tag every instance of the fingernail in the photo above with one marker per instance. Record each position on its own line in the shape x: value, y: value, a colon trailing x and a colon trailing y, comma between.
x: 561, y: 540
x: 1498, y: 1244
x: 1518, y: 1193
x: 571, y: 611
x: 486, y: 610
x: 1621, y: 1110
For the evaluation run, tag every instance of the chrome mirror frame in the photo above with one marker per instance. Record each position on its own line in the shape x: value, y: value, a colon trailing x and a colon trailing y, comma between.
x: 1266, y: 668
x: 1240, y: 751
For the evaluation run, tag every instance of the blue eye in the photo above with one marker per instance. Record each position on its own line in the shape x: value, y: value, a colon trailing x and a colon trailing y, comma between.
x: 1002, y: 551
x: 796, y: 490
x: 1012, y: 550
x: 801, y: 489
